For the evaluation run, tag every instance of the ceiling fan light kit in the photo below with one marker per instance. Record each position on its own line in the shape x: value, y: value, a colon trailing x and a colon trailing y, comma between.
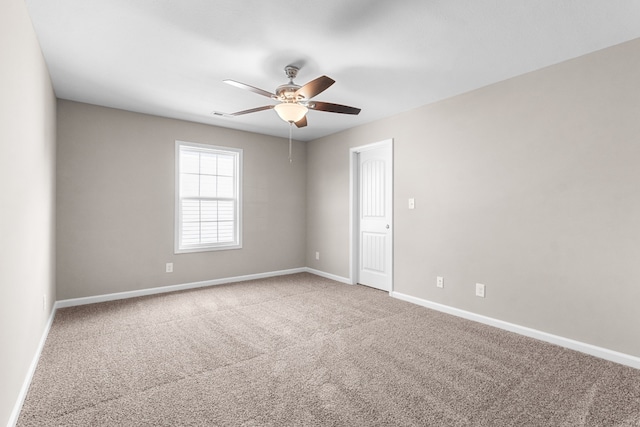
x: 291, y: 112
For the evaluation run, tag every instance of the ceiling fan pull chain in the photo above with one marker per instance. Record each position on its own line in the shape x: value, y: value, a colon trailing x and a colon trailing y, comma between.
x: 290, y: 129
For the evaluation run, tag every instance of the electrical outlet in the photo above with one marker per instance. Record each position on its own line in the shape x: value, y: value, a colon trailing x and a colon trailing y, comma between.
x: 480, y: 290
x: 317, y: 255
x: 440, y: 282
x: 169, y: 267
x: 412, y: 203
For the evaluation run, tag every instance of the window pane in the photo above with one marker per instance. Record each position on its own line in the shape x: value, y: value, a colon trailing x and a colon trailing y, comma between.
x: 189, y: 185
x: 189, y: 161
x: 190, y: 233
x: 226, y: 164
x: 226, y: 211
x: 209, y: 232
x: 190, y: 210
x: 208, y: 186
x: 225, y: 231
x: 208, y: 163
x: 225, y: 186
x: 209, y: 210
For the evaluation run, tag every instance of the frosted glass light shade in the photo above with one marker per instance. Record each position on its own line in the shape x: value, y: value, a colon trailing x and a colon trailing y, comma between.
x: 291, y: 112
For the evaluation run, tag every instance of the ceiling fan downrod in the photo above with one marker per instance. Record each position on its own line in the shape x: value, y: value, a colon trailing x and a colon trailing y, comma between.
x: 292, y: 72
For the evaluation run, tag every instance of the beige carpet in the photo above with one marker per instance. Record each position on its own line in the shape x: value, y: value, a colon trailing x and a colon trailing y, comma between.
x: 301, y: 350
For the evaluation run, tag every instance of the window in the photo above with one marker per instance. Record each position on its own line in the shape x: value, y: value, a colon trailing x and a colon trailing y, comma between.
x: 208, y: 197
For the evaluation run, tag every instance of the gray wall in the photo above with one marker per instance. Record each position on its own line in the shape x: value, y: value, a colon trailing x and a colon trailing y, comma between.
x: 530, y: 186
x: 27, y: 161
x: 115, y: 203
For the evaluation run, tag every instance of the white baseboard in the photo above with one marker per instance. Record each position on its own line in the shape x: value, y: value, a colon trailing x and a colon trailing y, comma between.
x: 193, y: 285
x: 329, y: 276
x: 13, y: 418
x: 172, y: 288
x: 603, y: 353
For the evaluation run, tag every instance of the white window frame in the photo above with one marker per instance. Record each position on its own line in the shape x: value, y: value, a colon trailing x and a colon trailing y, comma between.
x: 204, y: 247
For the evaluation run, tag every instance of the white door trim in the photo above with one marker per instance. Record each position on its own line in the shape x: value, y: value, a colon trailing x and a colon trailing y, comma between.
x: 354, y: 214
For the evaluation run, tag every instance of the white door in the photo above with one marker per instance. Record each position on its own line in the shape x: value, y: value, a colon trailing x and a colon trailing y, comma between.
x: 375, y: 187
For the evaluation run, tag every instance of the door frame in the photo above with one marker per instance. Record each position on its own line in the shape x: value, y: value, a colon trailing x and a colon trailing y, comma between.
x: 354, y: 209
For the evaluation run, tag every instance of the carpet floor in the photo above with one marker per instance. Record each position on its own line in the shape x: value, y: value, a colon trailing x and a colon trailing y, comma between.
x: 301, y: 350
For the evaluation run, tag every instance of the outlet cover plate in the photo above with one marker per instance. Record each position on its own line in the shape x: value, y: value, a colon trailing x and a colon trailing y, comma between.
x: 440, y: 282
x: 480, y: 290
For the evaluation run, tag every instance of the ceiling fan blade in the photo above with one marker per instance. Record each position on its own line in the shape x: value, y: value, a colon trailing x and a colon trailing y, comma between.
x: 250, y: 88
x: 302, y: 122
x: 253, y: 110
x: 333, y: 108
x: 315, y: 87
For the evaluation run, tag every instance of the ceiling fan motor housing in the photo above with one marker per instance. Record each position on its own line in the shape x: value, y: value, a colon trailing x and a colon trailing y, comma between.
x: 287, y: 93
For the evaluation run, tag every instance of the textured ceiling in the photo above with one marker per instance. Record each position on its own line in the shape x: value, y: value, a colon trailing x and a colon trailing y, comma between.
x: 169, y: 58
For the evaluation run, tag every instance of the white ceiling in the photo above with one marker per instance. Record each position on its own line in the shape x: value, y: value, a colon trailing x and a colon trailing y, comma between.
x: 169, y: 58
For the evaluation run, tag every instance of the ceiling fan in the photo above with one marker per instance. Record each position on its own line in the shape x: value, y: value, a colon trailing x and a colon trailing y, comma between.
x: 294, y: 100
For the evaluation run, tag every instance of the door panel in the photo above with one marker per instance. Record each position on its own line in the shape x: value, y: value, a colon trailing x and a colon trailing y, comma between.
x: 375, y: 217
x: 373, y: 245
